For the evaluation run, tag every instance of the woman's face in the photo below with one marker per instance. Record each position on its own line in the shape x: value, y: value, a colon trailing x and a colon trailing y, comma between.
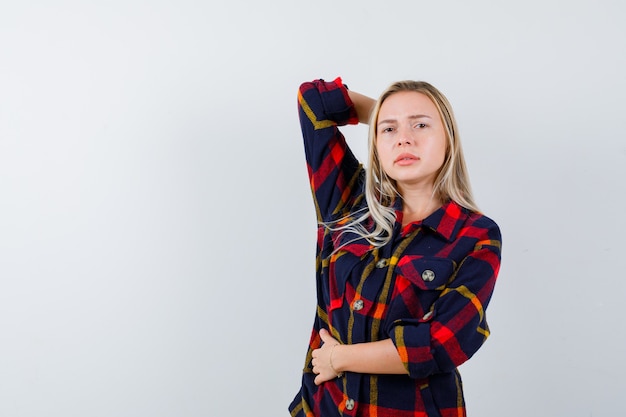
x: 410, y: 139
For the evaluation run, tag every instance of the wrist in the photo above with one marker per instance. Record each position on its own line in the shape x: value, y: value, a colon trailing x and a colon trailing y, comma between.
x: 333, y: 360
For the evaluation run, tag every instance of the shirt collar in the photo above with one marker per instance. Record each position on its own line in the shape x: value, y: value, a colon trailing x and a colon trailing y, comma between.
x: 446, y: 221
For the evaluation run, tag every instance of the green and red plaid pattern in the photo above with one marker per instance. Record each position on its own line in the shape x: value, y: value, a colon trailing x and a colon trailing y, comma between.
x: 427, y: 290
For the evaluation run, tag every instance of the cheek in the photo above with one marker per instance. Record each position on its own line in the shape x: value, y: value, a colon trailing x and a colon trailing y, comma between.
x: 384, y: 147
x: 383, y: 153
x: 440, y: 150
x: 443, y: 151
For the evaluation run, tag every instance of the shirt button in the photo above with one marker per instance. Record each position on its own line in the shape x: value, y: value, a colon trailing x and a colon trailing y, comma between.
x: 382, y: 263
x: 428, y: 275
x: 349, y: 404
x: 358, y: 305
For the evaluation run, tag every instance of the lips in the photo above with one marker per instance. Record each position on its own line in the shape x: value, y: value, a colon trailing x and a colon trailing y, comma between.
x: 406, y: 158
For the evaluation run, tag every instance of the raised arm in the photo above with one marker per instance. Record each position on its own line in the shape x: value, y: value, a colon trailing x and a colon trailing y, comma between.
x: 324, y: 106
x: 363, y: 105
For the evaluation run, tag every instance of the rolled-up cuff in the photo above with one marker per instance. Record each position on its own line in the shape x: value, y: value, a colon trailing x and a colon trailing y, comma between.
x: 412, y: 342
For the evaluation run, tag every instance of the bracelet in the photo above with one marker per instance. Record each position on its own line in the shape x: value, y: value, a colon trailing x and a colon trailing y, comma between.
x: 330, y: 361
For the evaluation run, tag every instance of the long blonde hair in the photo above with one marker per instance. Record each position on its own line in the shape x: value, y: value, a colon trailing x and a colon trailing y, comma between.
x: 451, y: 182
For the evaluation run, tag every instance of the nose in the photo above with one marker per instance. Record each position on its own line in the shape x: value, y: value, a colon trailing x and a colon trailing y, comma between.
x: 404, y: 136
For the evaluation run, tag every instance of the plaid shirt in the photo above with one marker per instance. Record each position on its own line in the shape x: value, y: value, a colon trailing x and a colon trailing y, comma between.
x: 426, y: 290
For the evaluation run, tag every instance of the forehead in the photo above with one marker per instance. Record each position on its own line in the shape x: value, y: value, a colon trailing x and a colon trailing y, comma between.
x: 407, y: 104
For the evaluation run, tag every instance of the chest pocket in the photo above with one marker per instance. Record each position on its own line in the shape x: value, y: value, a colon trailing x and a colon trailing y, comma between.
x: 426, y: 273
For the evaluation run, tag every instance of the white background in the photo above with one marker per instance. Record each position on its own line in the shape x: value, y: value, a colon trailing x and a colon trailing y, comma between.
x: 156, y: 228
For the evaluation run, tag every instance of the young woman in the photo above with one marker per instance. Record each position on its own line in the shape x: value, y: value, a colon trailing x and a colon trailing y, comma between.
x: 406, y: 264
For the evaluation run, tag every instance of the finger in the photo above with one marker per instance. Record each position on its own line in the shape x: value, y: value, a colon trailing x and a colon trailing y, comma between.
x: 324, y: 335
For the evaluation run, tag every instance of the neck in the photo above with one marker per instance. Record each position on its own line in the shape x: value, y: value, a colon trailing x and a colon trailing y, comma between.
x: 417, y: 204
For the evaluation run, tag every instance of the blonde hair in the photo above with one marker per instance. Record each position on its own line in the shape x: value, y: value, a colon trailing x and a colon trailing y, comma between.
x: 451, y: 183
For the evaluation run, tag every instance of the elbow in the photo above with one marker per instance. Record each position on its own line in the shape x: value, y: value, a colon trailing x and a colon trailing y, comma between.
x: 424, y: 350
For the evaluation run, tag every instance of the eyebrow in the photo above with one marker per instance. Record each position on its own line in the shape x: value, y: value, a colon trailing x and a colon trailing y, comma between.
x: 413, y: 117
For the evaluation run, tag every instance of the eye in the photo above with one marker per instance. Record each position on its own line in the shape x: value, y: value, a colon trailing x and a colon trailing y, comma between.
x: 387, y: 129
x: 420, y: 125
